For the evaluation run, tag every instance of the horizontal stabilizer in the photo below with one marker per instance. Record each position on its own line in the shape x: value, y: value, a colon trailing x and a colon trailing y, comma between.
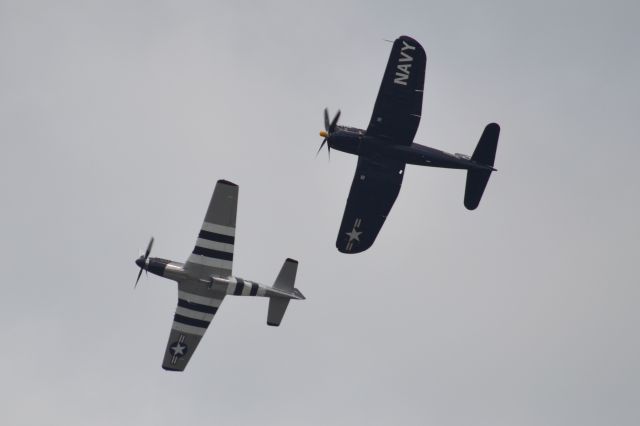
x: 285, y: 286
x: 484, y: 155
x: 485, y: 152
x: 476, y: 183
x: 277, y: 308
x: 287, y: 276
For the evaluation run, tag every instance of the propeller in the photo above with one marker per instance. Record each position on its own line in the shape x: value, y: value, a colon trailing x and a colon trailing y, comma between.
x: 142, y: 260
x: 329, y: 128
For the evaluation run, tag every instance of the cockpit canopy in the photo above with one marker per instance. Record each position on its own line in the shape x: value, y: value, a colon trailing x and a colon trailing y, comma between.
x: 462, y: 156
x: 351, y: 130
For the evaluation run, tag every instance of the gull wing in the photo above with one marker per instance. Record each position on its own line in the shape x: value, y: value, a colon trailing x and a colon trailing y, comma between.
x: 374, y: 189
x: 197, y: 305
x: 396, y: 114
x: 213, y: 252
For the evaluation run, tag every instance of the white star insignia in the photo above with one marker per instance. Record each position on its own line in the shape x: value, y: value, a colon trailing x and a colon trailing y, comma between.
x: 354, y: 235
x: 178, y: 349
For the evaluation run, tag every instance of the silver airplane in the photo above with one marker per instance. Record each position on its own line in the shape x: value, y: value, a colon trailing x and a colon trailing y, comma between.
x: 205, y: 279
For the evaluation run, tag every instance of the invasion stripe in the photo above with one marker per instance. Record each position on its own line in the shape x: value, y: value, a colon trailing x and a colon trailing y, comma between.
x: 214, y: 236
x: 219, y: 229
x: 208, y: 261
x: 254, y: 289
x: 215, y: 254
x: 190, y: 321
x: 239, y: 287
x: 197, y: 307
x: 186, y: 312
x: 247, y: 288
x: 197, y: 299
x: 214, y: 245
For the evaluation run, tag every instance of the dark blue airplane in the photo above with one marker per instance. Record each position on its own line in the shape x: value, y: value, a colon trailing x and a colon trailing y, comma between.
x: 387, y: 146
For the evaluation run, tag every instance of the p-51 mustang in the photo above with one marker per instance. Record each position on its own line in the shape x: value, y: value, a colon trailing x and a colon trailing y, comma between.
x: 205, y: 279
x: 387, y: 146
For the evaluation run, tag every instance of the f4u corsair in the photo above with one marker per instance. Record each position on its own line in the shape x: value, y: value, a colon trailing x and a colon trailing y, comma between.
x: 387, y: 146
x: 205, y: 279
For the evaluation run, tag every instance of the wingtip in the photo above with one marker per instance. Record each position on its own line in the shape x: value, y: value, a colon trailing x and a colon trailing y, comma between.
x: 172, y: 369
x: 406, y: 37
x: 226, y: 182
x: 471, y: 204
x: 410, y: 39
x: 352, y: 251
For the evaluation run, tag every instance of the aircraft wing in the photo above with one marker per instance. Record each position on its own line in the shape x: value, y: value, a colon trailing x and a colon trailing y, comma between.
x: 373, y: 191
x: 213, y: 253
x: 197, y: 305
x: 396, y: 114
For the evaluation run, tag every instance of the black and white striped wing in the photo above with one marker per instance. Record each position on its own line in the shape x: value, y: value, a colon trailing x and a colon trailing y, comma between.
x: 197, y: 305
x: 213, y: 253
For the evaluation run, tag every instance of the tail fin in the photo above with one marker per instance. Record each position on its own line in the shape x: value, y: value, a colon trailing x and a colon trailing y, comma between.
x: 484, y: 155
x: 284, y: 283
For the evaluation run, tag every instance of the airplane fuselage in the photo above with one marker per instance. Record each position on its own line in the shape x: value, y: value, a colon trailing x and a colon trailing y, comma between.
x: 357, y: 142
x: 230, y: 285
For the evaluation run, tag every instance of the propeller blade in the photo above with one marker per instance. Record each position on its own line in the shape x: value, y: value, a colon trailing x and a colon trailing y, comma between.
x: 139, y: 274
x: 144, y: 259
x: 334, y: 123
x: 326, y: 119
x: 329, y: 127
x: 146, y: 253
x: 321, y: 145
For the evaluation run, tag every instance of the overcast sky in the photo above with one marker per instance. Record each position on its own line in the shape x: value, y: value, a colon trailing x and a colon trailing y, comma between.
x: 118, y: 117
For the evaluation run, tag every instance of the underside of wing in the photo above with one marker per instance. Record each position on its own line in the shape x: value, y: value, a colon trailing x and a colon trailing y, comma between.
x: 197, y: 305
x: 374, y: 189
x: 213, y: 252
x: 398, y: 107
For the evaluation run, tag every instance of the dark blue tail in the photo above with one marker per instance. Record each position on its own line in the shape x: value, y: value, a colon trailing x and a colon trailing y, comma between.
x: 484, y: 155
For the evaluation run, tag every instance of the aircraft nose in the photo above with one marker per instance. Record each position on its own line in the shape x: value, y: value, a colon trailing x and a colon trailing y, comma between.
x: 140, y: 262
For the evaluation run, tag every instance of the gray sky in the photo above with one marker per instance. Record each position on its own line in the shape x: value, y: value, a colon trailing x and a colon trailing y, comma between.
x: 117, y: 118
